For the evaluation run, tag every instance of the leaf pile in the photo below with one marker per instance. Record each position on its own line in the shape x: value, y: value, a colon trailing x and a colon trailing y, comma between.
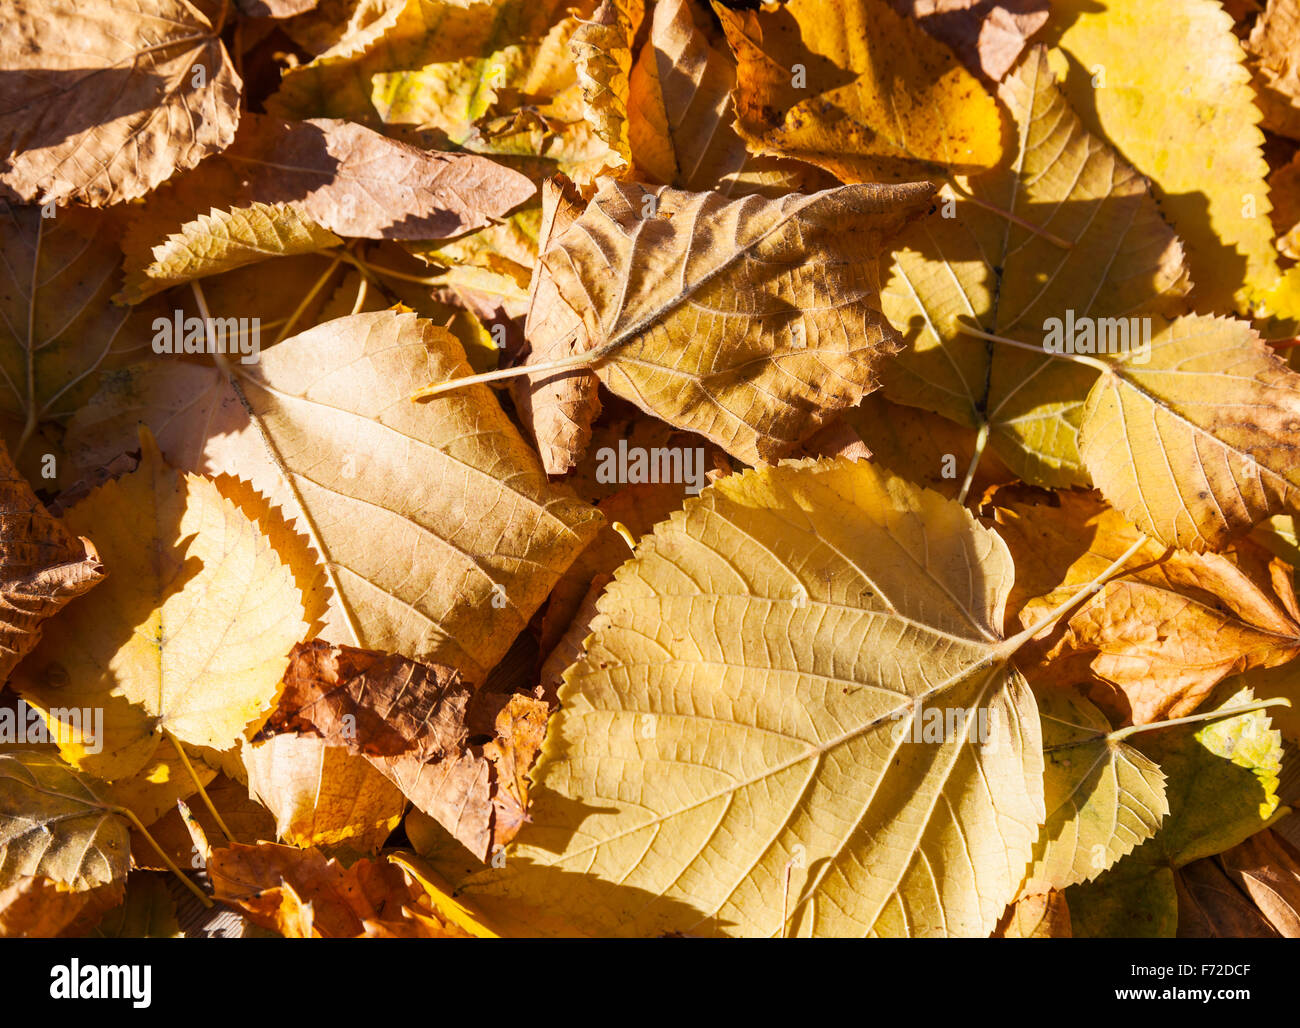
x: 886, y: 527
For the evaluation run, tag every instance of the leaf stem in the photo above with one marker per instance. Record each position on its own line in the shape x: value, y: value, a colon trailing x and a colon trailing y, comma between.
x: 362, y: 289
x: 203, y: 793
x: 1206, y: 715
x: 981, y: 441
x: 1077, y: 358
x: 311, y: 295
x: 577, y: 360
x: 130, y: 815
x: 430, y: 280
x: 1096, y: 585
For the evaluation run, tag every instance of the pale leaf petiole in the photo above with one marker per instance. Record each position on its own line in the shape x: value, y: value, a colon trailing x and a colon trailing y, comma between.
x: 1095, y: 586
x: 203, y: 793
x: 1077, y: 358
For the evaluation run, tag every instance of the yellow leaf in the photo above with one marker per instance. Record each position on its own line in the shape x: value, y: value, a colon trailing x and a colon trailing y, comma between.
x: 1103, y: 796
x: 1196, y: 445
x: 857, y: 89
x: 736, y: 752
x: 451, y: 486
x: 217, y: 242
x: 321, y: 795
x: 1185, y: 117
x: 1089, y: 244
x: 53, y: 823
x: 188, y: 635
x: 602, y: 57
x: 688, y: 319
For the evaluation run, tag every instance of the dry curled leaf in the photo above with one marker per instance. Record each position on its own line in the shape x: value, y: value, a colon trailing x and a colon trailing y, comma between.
x: 42, y: 566
x: 413, y: 722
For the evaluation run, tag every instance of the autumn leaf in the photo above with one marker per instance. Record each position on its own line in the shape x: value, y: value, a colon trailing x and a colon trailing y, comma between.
x: 58, y: 328
x: 1042, y: 915
x: 42, y: 566
x: 1194, y: 135
x: 36, y: 907
x: 557, y: 408
x: 224, y: 240
x: 452, y: 484
x: 691, y: 269
x: 1103, y: 796
x: 302, y: 895
x: 1192, y: 441
x: 1221, y: 779
x: 602, y: 56
x: 836, y: 823
x: 853, y: 87
x: 887, y: 527
x: 101, y: 102
x: 413, y: 723
x: 1272, y: 45
x: 680, y: 114
x: 322, y: 795
x: 197, y: 605
x: 1267, y: 869
x: 1166, y: 630
x: 148, y: 912
x: 54, y: 824
x: 1084, y: 236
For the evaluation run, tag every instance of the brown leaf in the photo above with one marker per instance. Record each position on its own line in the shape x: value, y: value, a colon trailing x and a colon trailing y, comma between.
x: 1165, y: 632
x: 100, y: 102
x: 414, y: 723
x: 42, y: 566
x: 1267, y: 869
x: 302, y: 895
x: 356, y: 182
x: 373, y: 704
x: 1272, y: 44
x: 36, y: 907
x: 1211, y: 907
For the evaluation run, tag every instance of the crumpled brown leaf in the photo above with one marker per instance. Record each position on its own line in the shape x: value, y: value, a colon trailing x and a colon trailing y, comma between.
x: 42, y: 566
x: 416, y: 723
x: 301, y: 894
